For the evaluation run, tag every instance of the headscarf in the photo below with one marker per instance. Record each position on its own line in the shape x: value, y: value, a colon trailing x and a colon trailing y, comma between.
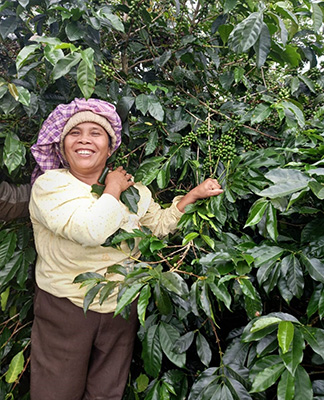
x: 46, y: 150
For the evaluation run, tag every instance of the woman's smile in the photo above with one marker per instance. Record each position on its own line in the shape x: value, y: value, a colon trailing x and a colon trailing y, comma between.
x: 86, y: 149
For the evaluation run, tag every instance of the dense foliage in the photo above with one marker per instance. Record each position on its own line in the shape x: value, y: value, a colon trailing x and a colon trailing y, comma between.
x: 232, y: 305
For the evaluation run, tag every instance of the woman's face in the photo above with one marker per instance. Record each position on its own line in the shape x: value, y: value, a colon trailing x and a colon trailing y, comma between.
x: 86, y: 149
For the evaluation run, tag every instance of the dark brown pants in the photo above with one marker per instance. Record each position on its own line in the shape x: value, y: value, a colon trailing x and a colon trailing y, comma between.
x: 74, y: 357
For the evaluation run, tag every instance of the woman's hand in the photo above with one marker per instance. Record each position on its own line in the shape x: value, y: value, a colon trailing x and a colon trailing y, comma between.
x: 118, y: 181
x: 210, y: 187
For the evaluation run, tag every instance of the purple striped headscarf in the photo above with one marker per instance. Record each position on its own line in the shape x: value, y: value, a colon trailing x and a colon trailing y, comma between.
x: 46, y: 150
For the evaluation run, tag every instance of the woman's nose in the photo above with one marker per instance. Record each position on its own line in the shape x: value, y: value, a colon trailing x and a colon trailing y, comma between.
x: 84, y: 138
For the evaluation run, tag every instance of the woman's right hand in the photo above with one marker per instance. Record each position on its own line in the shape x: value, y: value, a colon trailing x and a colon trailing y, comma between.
x: 118, y: 181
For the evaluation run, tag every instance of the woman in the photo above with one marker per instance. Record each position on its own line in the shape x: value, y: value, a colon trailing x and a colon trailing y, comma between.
x: 73, y: 356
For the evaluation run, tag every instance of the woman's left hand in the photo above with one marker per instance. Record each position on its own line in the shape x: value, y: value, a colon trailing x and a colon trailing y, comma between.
x: 210, y: 187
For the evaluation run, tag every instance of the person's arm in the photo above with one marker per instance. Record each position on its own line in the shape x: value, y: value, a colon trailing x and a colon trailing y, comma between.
x: 210, y: 187
x: 66, y: 208
x: 163, y: 221
x: 14, y: 201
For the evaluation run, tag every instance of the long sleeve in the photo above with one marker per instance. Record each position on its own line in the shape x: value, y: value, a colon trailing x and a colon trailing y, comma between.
x: 162, y: 221
x: 65, y: 206
x: 14, y: 201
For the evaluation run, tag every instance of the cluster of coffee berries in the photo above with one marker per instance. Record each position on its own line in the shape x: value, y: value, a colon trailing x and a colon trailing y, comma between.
x: 247, y: 143
x: 222, y: 149
x: 108, y: 71
x: 192, y: 136
x: 136, y: 7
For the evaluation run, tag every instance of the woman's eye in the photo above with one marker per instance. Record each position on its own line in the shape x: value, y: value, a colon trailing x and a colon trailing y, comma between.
x: 74, y: 133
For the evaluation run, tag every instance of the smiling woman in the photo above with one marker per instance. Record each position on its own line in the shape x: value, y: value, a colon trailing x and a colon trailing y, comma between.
x: 86, y: 148
x: 74, y: 357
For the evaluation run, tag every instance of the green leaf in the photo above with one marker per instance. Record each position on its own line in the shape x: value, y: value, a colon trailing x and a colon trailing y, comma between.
x: 142, y: 103
x: 168, y: 336
x: 264, y: 322
x: 107, y: 290
x: 107, y: 17
x: 262, y: 46
x: 8, y: 26
x: 143, y: 302
x: 315, y: 268
x: 190, y: 236
x: 142, y: 382
x: 23, y: 96
x: 174, y: 283
x: 127, y: 297
x: 87, y: 276
x: 295, y: 355
x: 221, y: 293
x: 52, y: 55
x: 256, y: 212
x: 203, y: 349
x: 297, y: 112
x: 260, y: 113
x: 205, y: 301
x: 74, y: 31
x: 315, y: 338
x: 7, y: 246
x: 24, y: 55
x: 229, y: 5
x: 152, y: 142
x: 163, y: 177
x: 303, y: 385
x: 86, y: 74
x: 317, y: 188
x: 16, y: 366
x: 293, y: 273
x: 155, y: 109
x: 64, y: 65
x: 217, y: 208
x: 90, y: 296
x: 286, y: 387
x: 246, y: 33
x: 11, y: 268
x: 130, y: 198
x: 285, y: 335
x: 151, y: 351
x: 267, y: 378
x: 162, y: 300
x: 271, y: 222
x: 317, y: 17
x: 14, y: 153
x: 264, y: 254
x: 184, y: 342
x: 287, y: 181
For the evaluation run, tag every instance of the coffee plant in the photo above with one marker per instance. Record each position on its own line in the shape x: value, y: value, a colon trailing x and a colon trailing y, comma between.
x: 231, y: 305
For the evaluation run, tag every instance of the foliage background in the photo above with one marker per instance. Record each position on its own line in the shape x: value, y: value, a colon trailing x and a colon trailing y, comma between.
x: 231, y: 307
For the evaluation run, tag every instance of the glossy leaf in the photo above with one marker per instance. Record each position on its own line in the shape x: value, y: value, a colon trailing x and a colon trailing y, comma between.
x: 151, y: 351
x: 15, y: 368
x: 303, y: 385
x: 286, y: 387
x: 168, y: 335
x: 256, y: 212
x: 143, y: 302
x: 246, y: 33
x: 203, y: 349
x: 285, y: 335
x: 174, y: 283
x: 65, y: 65
x: 130, y: 198
x: 294, y: 356
x: 267, y: 378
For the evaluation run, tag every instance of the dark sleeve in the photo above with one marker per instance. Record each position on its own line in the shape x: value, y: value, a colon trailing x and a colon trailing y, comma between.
x: 14, y: 200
